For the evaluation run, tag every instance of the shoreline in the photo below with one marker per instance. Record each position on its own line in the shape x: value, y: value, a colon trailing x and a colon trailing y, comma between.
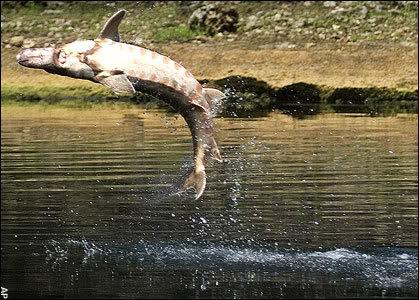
x: 246, y: 97
x: 349, y: 66
x: 374, y: 80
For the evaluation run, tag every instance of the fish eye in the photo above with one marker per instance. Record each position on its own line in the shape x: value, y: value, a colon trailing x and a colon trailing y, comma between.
x: 62, y: 57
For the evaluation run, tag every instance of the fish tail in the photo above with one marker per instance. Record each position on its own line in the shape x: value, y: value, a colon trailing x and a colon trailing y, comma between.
x: 196, y: 180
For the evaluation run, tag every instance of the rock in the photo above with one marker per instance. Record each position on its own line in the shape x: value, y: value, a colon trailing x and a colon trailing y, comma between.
x: 300, y: 23
x: 285, y: 45
x: 407, y: 44
x: 329, y: 3
x: 277, y: 17
x: 55, y: 3
x: 266, y: 47
x: 202, y: 38
x: 280, y: 29
x: 363, y: 13
x: 339, y: 10
x: 335, y: 27
x: 51, y: 12
x: 214, y: 18
x: 17, y: 41
x: 3, y: 18
x: 251, y: 23
x: 187, y: 7
x: 29, y: 43
x: 378, y: 8
x: 139, y: 41
x: 347, y: 3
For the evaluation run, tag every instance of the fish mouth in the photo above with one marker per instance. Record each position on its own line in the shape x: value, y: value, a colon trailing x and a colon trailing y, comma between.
x: 21, y: 59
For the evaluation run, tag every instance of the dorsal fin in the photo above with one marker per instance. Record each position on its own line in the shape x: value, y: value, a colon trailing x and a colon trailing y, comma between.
x: 110, y: 30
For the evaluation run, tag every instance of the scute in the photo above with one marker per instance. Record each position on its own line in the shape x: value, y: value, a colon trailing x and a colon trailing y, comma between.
x: 80, y: 46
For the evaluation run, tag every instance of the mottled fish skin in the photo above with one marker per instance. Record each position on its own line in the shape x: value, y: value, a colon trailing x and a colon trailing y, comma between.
x: 158, y: 75
x: 143, y: 65
x: 127, y: 68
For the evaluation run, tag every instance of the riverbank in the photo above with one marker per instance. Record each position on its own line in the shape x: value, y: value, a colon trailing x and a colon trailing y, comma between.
x: 376, y: 74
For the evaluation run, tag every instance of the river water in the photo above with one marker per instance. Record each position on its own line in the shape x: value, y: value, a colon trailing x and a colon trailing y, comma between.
x: 318, y: 207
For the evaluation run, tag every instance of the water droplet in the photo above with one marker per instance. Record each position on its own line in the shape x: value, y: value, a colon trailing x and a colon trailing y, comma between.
x: 203, y: 220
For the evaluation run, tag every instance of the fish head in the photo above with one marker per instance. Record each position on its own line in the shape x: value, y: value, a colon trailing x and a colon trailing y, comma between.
x: 66, y: 60
x: 70, y: 59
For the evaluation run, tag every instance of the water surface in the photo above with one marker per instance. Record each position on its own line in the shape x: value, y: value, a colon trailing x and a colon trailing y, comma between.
x: 319, y: 207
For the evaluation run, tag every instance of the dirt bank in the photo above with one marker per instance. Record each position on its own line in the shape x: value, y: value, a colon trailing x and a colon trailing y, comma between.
x: 332, y: 43
x: 349, y: 66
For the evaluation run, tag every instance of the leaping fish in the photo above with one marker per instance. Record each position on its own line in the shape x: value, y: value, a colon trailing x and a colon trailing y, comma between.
x: 126, y: 69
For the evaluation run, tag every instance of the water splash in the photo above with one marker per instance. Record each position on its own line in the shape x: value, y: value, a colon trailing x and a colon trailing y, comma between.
x: 384, y: 267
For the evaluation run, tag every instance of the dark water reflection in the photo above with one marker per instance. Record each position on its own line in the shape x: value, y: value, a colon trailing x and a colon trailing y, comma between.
x: 322, y: 207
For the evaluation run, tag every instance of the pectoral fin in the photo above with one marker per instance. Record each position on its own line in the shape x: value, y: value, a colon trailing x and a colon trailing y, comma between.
x: 213, y: 97
x: 119, y: 83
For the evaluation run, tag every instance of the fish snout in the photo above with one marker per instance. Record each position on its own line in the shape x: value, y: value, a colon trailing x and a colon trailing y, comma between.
x: 22, y: 57
x: 36, y: 57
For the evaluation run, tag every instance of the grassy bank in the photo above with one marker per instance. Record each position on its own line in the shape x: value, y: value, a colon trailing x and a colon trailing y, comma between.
x: 302, y: 58
x: 246, y: 97
x: 292, y: 22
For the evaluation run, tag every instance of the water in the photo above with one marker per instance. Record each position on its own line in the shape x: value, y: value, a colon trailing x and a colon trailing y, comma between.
x: 319, y: 207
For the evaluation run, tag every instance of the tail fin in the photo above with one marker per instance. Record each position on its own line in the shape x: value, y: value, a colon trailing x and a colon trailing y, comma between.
x: 195, y: 180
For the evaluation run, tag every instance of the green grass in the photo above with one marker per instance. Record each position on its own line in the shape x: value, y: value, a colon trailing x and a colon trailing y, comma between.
x: 37, y: 93
x: 73, y: 97
x: 165, y: 22
x: 180, y: 33
x: 251, y: 98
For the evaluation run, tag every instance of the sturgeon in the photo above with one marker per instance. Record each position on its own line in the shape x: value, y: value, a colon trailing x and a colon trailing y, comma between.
x: 127, y: 69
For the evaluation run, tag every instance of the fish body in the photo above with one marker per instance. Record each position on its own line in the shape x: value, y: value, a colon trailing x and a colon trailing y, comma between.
x: 127, y: 69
